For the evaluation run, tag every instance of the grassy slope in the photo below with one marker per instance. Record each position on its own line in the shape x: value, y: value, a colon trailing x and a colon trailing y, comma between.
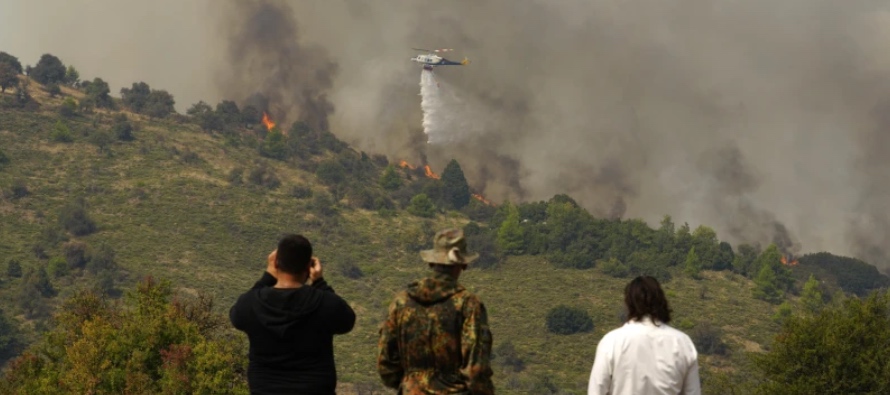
x: 185, y: 222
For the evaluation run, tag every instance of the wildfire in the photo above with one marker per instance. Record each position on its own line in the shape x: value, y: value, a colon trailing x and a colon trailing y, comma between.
x: 268, y: 122
x: 429, y: 172
x: 785, y: 261
x: 482, y: 199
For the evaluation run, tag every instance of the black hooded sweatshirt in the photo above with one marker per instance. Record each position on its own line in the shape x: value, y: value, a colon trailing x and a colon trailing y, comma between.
x: 291, y: 334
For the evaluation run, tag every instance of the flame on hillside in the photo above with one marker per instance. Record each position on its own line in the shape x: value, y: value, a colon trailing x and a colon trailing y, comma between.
x: 268, y: 122
x: 482, y: 199
x: 429, y: 172
x: 787, y: 261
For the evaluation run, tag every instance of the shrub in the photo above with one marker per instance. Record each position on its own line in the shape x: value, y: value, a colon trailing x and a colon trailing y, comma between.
x: 264, y: 176
x: 58, y: 267
x: 13, y: 268
x: 68, y: 109
x: 74, y: 218
x: 301, y: 192
x: 565, y: 320
x: 506, y: 355
x: 422, y: 206
x: 122, y: 128
x: 351, y: 270
x: 3, y: 158
x: 61, y: 133
x: 708, y: 339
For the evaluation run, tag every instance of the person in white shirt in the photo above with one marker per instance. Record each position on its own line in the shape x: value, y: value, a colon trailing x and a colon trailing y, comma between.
x: 645, y: 356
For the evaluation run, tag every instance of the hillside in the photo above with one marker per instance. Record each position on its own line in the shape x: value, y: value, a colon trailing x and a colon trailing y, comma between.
x: 203, y: 207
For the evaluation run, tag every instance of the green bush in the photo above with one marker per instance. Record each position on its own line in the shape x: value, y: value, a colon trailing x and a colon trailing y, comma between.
x: 422, y: 206
x: 565, y: 320
x: 68, y: 109
x: 61, y: 133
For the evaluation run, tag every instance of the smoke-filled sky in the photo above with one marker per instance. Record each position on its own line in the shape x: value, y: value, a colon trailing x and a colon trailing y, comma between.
x: 764, y: 119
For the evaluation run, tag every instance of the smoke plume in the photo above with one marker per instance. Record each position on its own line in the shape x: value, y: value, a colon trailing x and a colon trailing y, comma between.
x: 763, y: 119
x: 270, y: 65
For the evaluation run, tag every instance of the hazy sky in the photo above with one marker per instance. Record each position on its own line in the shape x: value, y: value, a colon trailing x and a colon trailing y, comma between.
x: 761, y: 118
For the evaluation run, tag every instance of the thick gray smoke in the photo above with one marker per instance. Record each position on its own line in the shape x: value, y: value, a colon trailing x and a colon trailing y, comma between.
x: 268, y: 64
x: 753, y: 117
x: 764, y: 119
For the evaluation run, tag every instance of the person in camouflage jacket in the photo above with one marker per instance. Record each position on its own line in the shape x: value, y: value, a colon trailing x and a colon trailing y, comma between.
x: 436, y: 338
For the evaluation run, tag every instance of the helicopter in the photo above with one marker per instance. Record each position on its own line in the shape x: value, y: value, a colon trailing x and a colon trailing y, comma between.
x: 431, y: 59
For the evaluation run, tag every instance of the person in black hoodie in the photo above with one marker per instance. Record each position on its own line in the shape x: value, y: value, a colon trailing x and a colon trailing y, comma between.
x: 291, y: 324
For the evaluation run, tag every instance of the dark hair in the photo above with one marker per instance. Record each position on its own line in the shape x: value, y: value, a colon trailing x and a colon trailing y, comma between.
x: 643, y: 296
x: 294, y: 254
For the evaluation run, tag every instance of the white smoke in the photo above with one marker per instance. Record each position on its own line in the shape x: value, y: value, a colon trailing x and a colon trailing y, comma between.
x: 447, y: 116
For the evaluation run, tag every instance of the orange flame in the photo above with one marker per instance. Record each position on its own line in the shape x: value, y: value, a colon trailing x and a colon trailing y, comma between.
x: 405, y: 165
x: 268, y: 122
x: 429, y: 172
x: 482, y: 199
x: 785, y: 261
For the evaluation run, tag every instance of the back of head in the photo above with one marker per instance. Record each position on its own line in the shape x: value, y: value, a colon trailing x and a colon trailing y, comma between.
x: 294, y: 254
x: 643, y: 296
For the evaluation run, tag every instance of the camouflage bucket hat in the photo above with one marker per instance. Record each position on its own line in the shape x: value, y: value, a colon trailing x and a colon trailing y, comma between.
x: 449, y: 248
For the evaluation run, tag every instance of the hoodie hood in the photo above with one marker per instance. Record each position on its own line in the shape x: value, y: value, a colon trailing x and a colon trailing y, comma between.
x: 279, y: 310
x: 434, y: 289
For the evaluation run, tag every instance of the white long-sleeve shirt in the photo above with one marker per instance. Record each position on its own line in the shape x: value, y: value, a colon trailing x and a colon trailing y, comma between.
x: 645, y: 358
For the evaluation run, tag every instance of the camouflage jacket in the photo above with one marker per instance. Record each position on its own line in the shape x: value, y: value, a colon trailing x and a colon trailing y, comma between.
x: 436, y: 340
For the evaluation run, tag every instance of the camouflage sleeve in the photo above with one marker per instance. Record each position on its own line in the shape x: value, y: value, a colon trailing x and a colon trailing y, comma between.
x: 476, y: 343
x: 389, y: 365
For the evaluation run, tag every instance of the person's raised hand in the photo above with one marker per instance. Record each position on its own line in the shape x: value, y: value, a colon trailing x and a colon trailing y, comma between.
x: 270, y: 264
x: 315, y: 272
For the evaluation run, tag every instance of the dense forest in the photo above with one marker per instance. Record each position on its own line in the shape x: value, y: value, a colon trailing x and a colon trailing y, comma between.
x: 100, y: 196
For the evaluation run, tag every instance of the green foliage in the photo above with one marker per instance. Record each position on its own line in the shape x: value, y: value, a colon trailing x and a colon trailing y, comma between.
x: 614, y: 268
x: 693, y: 265
x: 331, y: 172
x: 68, y: 109
x: 743, y: 262
x: 144, y: 100
x: 783, y: 312
x: 149, y: 345
x: 13, y: 268
x: 324, y: 204
x: 510, y: 233
x: 263, y: 175
x: 9, y: 335
x: 274, y: 145
x: 11, y: 61
x: 390, y: 180
x: 53, y: 89
x: 422, y: 206
x: 61, y: 133
x: 49, y: 70
x: 3, y: 158
x: 849, y: 274
x: 102, y: 140
x: 455, y: 187
x: 75, y: 253
x: 845, y: 349
x: 98, y: 92
x: 74, y: 218
x: 8, y: 77
x: 565, y: 320
x: 72, y: 77
x: 58, y: 267
x: 301, y: 192
x: 122, y: 128
x: 708, y: 339
x: 39, y: 280
x: 811, y: 297
x: 767, y: 285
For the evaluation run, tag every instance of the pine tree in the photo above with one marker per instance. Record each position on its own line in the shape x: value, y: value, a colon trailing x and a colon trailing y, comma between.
x: 510, y: 234
x: 390, y: 180
x: 457, y: 191
x: 811, y: 298
x: 693, y: 264
x: 767, y: 285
